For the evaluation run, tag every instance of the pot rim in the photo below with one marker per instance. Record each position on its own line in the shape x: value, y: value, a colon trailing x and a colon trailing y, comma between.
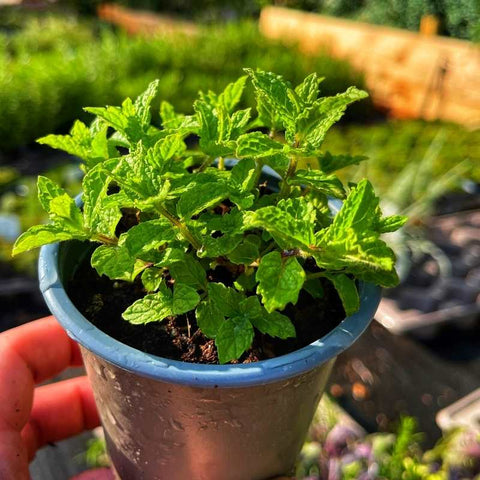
x: 192, y: 374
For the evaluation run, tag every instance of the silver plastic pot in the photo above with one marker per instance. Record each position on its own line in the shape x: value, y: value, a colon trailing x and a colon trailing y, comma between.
x: 171, y: 420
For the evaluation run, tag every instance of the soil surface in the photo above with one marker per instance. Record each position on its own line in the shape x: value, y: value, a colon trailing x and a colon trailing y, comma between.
x: 103, y: 301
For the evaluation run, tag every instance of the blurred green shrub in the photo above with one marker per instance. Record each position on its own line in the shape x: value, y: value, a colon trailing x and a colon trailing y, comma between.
x: 394, y: 145
x: 45, y: 83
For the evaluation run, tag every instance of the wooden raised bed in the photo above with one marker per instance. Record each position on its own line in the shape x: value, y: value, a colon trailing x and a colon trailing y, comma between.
x: 409, y: 74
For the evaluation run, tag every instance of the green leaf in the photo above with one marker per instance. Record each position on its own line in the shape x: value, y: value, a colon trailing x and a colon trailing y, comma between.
x: 279, y: 280
x: 390, y: 224
x: 232, y: 94
x: 156, y: 307
x: 47, y: 191
x: 101, y: 215
x: 359, y: 210
x: 170, y: 119
x: 314, y: 287
x: 63, y: 210
x: 245, y: 283
x: 288, y: 230
x: 274, y: 324
x: 116, y: 263
x: 200, y: 197
x: 77, y: 143
x: 327, y: 111
x: 152, y: 278
x: 257, y: 144
x: 347, y: 290
x: 144, y: 100
x: 221, y: 301
x: 241, y: 183
x: 147, y: 236
x: 247, y: 252
x: 309, y: 88
x: 233, y: 338
x: 59, y: 205
x: 329, y: 163
x: 317, y: 180
x: 189, y: 272
x: 185, y: 298
x: 39, y: 235
x: 273, y: 90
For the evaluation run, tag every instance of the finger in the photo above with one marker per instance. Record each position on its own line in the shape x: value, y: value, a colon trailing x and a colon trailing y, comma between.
x: 96, y: 474
x: 60, y: 410
x: 44, y: 346
x: 30, y: 354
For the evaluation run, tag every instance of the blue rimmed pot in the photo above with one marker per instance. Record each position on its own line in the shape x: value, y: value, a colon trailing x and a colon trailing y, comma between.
x: 165, y: 419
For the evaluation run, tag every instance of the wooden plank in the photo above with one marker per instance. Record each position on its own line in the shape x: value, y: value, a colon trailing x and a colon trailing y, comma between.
x: 412, y: 75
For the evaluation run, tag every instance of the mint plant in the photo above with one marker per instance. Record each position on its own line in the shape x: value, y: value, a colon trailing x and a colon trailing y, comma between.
x: 192, y: 215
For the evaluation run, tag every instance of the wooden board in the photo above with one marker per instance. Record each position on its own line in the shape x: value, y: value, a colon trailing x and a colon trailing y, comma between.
x: 409, y: 74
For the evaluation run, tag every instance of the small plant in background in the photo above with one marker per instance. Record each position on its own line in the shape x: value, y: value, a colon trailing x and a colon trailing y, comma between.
x: 345, y: 453
x: 218, y: 245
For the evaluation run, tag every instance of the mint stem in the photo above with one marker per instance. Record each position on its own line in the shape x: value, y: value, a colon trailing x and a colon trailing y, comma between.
x: 292, y: 167
x: 179, y: 224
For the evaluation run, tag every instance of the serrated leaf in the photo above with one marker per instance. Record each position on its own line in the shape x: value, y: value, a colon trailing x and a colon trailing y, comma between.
x: 218, y: 246
x: 232, y: 94
x: 39, y: 235
x: 286, y: 229
x: 279, y: 280
x: 273, y: 90
x: 48, y: 190
x: 189, y: 272
x: 116, y: 263
x: 327, y: 111
x: 200, y: 197
x: 185, y: 298
x: 156, y: 307
x: 101, y: 215
x: 144, y: 100
x: 147, y: 236
x: 319, y: 181
x: 241, y: 183
x: 274, y: 324
x: 233, y: 338
x: 257, y: 144
x: 309, y: 88
x: 170, y: 119
x: 391, y: 223
x: 226, y: 299
x: 77, y: 143
x: 62, y: 209
x: 347, y: 291
x: 221, y: 301
x: 152, y: 278
x: 329, y: 163
x: 246, y: 252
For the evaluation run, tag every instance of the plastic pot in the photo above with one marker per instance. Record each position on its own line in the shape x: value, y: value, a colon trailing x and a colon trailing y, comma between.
x: 166, y: 419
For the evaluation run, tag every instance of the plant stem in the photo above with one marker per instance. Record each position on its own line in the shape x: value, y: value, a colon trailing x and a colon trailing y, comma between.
x: 285, y: 189
x: 179, y: 224
x: 207, y: 162
x: 221, y: 163
x: 311, y: 276
x: 104, y: 239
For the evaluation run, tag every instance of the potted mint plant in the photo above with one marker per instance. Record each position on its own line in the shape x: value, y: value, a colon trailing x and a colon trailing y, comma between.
x: 210, y: 296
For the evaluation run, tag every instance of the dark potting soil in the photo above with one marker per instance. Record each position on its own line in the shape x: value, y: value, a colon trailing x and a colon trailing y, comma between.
x: 103, y: 301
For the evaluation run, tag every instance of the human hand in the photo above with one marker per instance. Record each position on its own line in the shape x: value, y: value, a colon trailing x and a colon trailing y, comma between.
x: 30, y: 416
